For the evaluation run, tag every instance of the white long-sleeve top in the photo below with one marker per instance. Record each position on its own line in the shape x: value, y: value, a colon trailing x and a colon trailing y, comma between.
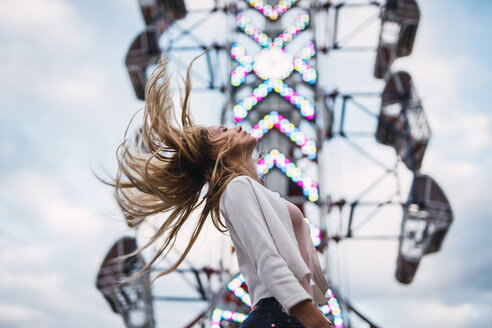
x: 268, y: 254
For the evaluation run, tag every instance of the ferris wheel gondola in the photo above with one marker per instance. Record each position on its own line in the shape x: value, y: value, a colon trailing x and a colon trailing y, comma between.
x: 426, y: 219
x: 132, y: 300
x: 399, y: 22
x: 402, y: 122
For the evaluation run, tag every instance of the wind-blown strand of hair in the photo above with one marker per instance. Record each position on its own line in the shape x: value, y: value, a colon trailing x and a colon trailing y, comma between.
x: 170, y: 178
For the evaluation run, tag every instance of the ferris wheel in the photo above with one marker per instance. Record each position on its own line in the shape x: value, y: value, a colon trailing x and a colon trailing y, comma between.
x: 266, y: 64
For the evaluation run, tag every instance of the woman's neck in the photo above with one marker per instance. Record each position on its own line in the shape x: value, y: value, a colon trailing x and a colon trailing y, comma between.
x: 246, y: 166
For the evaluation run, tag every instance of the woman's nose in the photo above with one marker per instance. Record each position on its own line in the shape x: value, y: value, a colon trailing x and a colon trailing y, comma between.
x: 239, y: 128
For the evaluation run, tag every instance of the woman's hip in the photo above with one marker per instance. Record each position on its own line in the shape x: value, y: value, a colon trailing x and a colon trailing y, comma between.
x: 267, y: 314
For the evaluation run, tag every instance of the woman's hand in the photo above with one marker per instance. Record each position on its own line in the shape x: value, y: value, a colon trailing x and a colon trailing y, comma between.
x: 309, y: 315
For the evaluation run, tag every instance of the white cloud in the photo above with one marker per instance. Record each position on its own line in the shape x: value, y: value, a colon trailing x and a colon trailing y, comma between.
x: 24, y: 257
x: 47, y: 284
x: 443, y: 80
x: 478, y: 135
x: 27, y: 270
x: 464, y: 180
x: 437, y: 314
x: 29, y: 275
x: 418, y: 312
x: 16, y: 314
x: 82, y: 88
x: 48, y: 202
x: 48, y: 22
x: 471, y: 133
x: 56, y: 262
x: 42, y: 39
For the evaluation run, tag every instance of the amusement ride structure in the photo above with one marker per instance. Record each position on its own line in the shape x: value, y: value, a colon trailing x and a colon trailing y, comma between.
x: 267, y: 63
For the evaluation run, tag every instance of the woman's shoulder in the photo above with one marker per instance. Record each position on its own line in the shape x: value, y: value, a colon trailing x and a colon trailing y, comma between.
x: 238, y: 184
x: 241, y: 180
x: 239, y: 189
x: 247, y: 187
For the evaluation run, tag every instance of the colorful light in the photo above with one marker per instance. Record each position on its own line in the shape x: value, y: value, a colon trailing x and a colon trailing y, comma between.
x: 333, y: 307
x: 241, y: 109
x: 273, y: 63
x: 274, y: 119
x: 272, y: 12
x: 238, y: 75
x: 300, y: 63
x: 220, y: 314
x: 244, y: 23
x: 235, y: 287
x: 302, y: 21
x: 275, y: 157
x: 315, y: 233
x: 306, y: 106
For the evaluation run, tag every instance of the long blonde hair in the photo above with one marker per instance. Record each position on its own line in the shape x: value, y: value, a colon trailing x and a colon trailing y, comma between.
x: 169, y: 177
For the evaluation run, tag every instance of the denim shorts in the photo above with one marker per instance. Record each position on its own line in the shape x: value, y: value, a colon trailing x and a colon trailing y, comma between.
x: 268, y: 314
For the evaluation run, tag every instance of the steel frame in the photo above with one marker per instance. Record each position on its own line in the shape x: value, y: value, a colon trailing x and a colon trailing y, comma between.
x: 212, y: 81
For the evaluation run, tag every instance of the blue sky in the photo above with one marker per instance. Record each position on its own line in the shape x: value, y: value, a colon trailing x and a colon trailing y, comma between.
x: 66, y: 100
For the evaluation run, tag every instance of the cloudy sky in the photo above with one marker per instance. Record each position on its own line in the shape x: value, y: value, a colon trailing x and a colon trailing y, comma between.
x: 66, y: 100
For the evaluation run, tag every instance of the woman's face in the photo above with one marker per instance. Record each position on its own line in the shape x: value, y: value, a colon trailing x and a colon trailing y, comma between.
x: 240, y: 139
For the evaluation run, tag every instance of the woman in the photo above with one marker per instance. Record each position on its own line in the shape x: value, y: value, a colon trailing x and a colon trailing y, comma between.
x: 272, y: 241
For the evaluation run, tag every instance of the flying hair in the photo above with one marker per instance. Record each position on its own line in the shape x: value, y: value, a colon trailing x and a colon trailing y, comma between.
x: 180, y: 159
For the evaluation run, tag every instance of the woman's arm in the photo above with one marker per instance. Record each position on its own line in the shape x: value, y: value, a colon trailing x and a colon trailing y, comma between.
x: 307, y: 286
x: 309, y: 315
x: 245, y: 219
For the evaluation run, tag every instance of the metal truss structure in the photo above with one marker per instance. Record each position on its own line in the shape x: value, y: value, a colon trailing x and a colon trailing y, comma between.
x: 266, y: 60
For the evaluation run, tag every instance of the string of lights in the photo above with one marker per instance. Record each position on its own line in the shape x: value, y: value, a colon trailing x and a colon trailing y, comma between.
x: 235, y: 286
x: 272, y: 12
x: 245, y: 24
x: 290, y: 169
x: 306, y: 107
x: 275, y: 120
x: 308, y: 72
x: 238, y: 75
